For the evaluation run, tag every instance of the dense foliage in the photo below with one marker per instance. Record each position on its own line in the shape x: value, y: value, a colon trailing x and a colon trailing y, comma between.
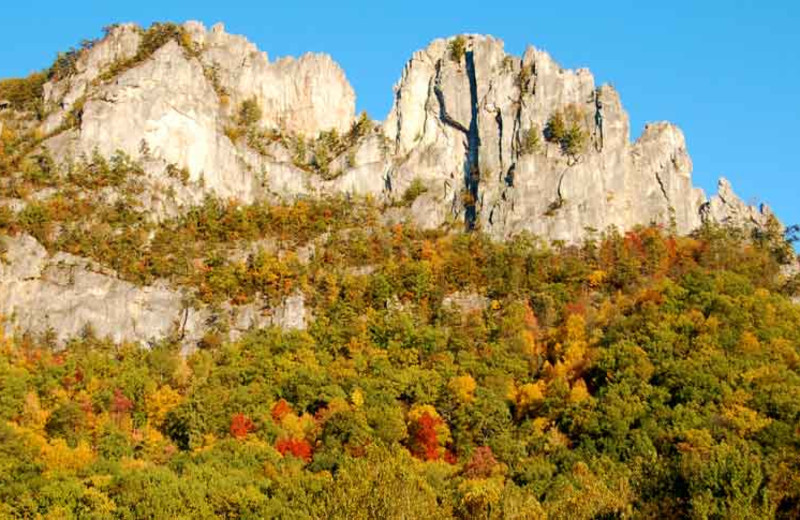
x: 640, y: 375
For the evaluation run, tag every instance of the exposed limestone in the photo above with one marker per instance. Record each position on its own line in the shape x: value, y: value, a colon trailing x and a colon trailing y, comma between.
x: 65, y: 294
x: 166, y: 106
x: 466, y: 302
x: 725, y: 207
x: 460, y: 126
x: 121, y: 43
x: 301, y: 96
x: 544, y: 191
x: 167, y: 110
x: 291, y: 314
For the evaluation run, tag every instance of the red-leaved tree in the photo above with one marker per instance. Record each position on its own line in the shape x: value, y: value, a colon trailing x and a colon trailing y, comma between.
x: 482, y: 463
x: 424, y: 442
x: 119, y: 403
x: 299, y: 448
x: 241, y: 425
x: 280, y: 410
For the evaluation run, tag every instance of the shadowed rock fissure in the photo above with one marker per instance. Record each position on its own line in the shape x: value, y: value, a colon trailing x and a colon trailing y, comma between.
x: 471, y: 161
x: 560, y: 200
x: 498, y: 117
x: 598, y: 122
x: 473, y: 174
x: 663, y: 189
x: 443, y: 114
x: 670, y: 207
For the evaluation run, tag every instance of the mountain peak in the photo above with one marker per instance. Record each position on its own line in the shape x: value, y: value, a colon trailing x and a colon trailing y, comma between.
x: 503, y: 143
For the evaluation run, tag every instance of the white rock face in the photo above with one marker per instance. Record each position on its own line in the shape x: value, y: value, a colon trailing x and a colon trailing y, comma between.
x: 167, y: 104
x: 121, y: 43
x: 291, y: 314
x: 466, y: 302
x: 460, y: 126
x: 167, y: 111
x: 302, y: 96
x: 727, y: 208
x: 65, y: 294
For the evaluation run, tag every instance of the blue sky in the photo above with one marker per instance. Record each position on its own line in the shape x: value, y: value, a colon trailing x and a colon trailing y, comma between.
x: 727, y: 72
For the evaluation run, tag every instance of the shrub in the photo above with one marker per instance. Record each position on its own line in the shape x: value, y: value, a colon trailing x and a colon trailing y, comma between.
x: 300, y: 151
x: 524, y: 77
x: 36, y: 219
x: 361, y: 127
x: 24, y: 94
x: 327, y: 146
x: 556, y: 128
x: 414, y: 190
x: 316, y: 155
x: 529, y: 141
x: 567, y: 129
x: 249, y: 113
x: 39, y: 169
x: 180, y: 174
x: 232, y: 132
x: 65, y: 63
x: 574, y: 143
x: 458, y: 48
x: 155, y: 37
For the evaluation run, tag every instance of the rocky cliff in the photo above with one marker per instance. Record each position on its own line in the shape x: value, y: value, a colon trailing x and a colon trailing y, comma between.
x: 472, y: 127
x: 476, y: 139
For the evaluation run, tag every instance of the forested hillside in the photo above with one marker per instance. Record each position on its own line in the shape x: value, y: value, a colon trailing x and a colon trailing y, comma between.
x: 639, y: 375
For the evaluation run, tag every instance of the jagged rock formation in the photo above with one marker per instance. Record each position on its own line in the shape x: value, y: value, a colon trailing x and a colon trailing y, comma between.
x: 466, y: 302
x: 474, y: 126
x: 171, y: 108
x: 727, y: 208
x: 64, y: 293
x: 459, y: 125
x: 462, y: 126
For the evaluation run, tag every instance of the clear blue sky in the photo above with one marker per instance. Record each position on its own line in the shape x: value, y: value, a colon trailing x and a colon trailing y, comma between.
x: 726, y: 71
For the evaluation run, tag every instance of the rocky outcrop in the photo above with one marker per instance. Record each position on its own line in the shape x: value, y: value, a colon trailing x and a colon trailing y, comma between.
x: 176, y: 119
x: 727, y: 208
x: 471, y: 126
x: 60, y: 95
x: 466, y: 302
x: 464, y: 125
x: 172, y: 108
x: 66, y: 294
x: 300, y: 96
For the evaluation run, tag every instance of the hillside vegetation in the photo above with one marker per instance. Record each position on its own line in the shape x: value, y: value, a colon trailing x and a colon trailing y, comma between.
x: 640, y: 375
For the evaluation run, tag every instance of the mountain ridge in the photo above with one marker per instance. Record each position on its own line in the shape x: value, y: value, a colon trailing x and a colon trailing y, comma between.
x: 156, y: 121
x: 181, y: 122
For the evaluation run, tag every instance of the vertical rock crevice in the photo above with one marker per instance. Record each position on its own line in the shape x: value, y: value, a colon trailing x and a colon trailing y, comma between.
x: 663, y: 188
x: 670, y: 207
x: 472, y: 168
x: 498, y: 117
x: 473, y: 140
x: 599, y: 140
